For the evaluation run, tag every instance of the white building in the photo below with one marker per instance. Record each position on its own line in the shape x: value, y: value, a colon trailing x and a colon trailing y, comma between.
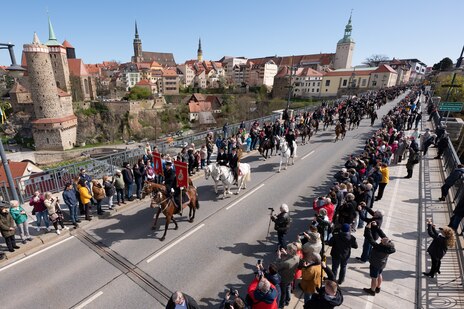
x: 345, y: 48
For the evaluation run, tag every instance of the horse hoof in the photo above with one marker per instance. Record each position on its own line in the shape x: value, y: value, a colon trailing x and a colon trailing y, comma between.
x: 162, y: 238
x: 176, y: 228
x: 236, y: 193
x: 153, y: 227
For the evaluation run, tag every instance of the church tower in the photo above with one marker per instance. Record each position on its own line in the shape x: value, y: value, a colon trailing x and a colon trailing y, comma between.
x: 55, y: 125
x: 345, y: 47
x: 137, y: 47
x: 199, y: 52
x: 59, y: 60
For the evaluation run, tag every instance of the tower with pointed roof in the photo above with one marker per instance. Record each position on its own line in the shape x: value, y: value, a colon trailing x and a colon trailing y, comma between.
x: 137, y: 47
x: 345, y: 48
x: 59, y: 60
x: 199, y: 51
x: 54, y: 126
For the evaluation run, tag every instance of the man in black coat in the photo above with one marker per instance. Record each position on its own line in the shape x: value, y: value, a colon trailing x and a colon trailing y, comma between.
x: 290, y: 138
x: 128, y: 177
x: 328, y: 296
x: 233, y: 163
x: 341, y: 243
x: 222, y: 157
x: 281, y: 224
x: 181, y: 300
x: 170, y: 180
x: 454, y: 176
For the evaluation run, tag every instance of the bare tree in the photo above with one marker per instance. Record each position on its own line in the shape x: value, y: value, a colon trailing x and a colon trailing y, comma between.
x: 375, y: 59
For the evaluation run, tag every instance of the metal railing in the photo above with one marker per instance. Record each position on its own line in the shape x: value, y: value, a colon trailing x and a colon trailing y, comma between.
x: 54, y: 180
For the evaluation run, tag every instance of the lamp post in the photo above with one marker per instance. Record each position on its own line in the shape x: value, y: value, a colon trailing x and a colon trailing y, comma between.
x: 14, y: 71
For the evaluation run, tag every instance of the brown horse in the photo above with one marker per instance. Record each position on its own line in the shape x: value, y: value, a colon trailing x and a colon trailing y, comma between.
x: 339, y: 130
x: 166, y: 204
x: 305, y: 131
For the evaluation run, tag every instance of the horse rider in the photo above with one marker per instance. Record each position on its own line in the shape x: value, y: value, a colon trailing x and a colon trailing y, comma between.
x: 290, y: 138
x: 170, y: 180
x: 222, y: 158
x: 276, y: 128
x: 234, y: 163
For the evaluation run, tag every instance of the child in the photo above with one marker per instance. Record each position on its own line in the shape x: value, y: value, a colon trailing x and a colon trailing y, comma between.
x: 248, y: 143
x: 20, y: 217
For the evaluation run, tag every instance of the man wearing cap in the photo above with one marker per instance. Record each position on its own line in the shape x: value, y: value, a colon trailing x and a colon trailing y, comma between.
x: 233, y: 163
x: 170, y: 180
x: 341, y: 243
x: 222, y: 158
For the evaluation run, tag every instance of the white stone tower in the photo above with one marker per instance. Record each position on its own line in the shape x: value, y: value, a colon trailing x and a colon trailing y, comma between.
x: 345, y: 48
x: 55, y: 124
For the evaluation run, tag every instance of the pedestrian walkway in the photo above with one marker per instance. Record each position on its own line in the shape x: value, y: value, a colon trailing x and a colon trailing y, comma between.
x: 406, y: 204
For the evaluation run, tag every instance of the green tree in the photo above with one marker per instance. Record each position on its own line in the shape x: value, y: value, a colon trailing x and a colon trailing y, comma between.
x: 456, y: 94
x: 445, y: 64
x: 139, y: 93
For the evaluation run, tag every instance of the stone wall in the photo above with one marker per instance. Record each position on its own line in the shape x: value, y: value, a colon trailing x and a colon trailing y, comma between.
x: 60, y: 68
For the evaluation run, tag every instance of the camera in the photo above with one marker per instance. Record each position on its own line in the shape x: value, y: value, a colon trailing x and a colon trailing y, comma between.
x: 233, y: 292
x: 259, y: 262
x: 271, y: 209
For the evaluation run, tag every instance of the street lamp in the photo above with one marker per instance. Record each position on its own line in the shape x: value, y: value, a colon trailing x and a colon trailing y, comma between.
x: 15, y: 71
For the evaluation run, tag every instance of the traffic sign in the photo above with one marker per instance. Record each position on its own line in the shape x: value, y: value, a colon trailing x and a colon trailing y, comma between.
x: 450, y: 106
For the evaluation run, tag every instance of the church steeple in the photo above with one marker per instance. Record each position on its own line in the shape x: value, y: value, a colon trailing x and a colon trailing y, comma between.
x: 347, y: 36
x: 137, y: 46
x: 51, y: 35
x: 199, y: 52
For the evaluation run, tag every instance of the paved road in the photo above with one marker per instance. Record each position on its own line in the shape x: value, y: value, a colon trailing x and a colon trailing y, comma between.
x: 119, y: 262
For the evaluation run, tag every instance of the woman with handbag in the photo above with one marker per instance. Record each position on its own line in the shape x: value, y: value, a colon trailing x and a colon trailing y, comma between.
x: 54, y: 212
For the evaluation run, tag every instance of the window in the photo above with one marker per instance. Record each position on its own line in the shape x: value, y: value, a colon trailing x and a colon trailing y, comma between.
x: 363, y: 83
x: 374, y: 83
x: 344, y: 82
x: 327, y: 83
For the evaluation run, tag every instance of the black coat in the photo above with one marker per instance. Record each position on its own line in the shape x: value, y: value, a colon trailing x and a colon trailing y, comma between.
x: 222, y: 158
x: 341, y: 244
x: 281, y: 222
x: 170, y: 180
x: 233, y: 161
x: 127, y: 176
x: 191, y: 303
x: 438, y: 247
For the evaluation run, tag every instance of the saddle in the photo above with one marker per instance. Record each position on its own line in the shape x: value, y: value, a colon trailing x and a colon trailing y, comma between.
x: 176, y: 201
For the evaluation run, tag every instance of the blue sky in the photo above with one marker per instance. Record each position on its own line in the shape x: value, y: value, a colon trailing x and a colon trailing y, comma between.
x: 104, y: 30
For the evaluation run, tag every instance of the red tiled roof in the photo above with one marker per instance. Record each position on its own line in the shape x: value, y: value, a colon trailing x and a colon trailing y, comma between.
x: 143, y: 82
x: 169, y: 72
x: 322, y: 59
x: 18, y: 88
x: 384, y: 68
x: 348, y: 73
x: 66, y: 44
x: 17, y: 170
x: 308, y: 72
x: 202, y: 106
x: 62, y: 93
x: 77, y: 67
x: 55, y: 120
x: 93, y: 68
x: 197, y: 97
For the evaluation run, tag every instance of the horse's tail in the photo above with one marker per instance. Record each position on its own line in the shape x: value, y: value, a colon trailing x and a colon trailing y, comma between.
x: 248, y: 175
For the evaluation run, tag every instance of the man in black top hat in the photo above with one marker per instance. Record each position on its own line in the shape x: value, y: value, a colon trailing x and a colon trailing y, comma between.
x: 233, y: 163
x: 290, y: 138
x: 222, y: 157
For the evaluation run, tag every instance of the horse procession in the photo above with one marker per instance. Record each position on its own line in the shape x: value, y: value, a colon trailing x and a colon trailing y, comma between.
x: 172, y: 191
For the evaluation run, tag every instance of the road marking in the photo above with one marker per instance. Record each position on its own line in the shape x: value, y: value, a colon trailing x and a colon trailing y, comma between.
x: 245, y: 196
x: 175, y: 243
x: 307, y: 155
x: 89, y: 300
x: 34, y: 254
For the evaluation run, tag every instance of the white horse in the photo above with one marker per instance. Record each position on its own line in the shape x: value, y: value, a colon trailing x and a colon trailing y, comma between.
x: 285, y: 153
x: 213, y: 170
x: 227, y: 177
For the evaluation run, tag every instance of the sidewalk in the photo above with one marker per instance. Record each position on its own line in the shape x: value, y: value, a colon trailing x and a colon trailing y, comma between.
x: 406, y: 204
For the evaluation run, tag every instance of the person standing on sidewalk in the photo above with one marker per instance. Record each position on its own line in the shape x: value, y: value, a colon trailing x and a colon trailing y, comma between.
x: 209, y: 147
x: 69, y: 198
x: 327, y: 297
x: 378, y: 259
x: 98, y: 195
x: 20, y: 217
x: 118, y: 182
x: 128, y: 177
x: 7, y: 228
x: 110, y: 190
x: 85, y: 197
x: 413, y: 159
x: 441, y: 242
x: 281, y: 224
x: 54, y: 212
x: 454, y: 176
x: 39, y: 209
x: 287, y: 266
x: 384, y: 181
x: 341, y: 243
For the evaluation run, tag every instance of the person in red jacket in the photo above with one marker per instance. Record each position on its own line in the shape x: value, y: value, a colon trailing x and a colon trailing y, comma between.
x: 324, y: 203
x: 262, y: 294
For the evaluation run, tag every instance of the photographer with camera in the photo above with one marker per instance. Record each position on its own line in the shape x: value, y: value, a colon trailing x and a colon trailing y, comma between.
x: 236, y: 303
x: 272, y: 275
x: 328, y: 296
x: 281, y: 224
x: 287, y: 264
x: 442, y: 240
x: 262, y: 294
